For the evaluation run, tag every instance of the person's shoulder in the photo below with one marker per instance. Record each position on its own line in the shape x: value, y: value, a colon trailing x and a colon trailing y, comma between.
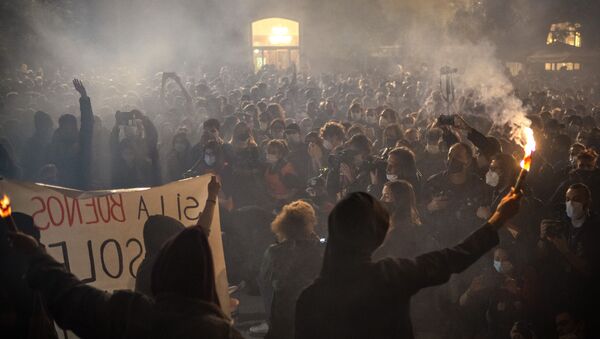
x: 130, y: 302
x: 308, y: 246
x: 593, y: 224
x: 311, y: 294
x: 440, y: 176
x: 274, y: 248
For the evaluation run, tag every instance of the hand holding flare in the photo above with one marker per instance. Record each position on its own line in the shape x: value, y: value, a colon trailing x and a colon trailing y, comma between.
x: 6, y: 213
x: 526, y: 162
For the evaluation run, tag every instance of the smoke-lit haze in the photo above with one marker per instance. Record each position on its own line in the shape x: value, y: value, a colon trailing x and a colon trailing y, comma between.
x: 152, y: 36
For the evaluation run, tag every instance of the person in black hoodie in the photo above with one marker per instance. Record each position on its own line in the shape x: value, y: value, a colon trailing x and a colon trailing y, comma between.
x: 158, y: 229
x: 33, y: 153
x: 184, y: 301
x: 355, y: 297
x: 71, y: 148
x: 23, y: 313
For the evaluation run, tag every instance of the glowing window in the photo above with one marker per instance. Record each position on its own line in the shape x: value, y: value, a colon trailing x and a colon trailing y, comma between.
x: 275, y: 32
x: 566, y: 33
x: 562, y: 66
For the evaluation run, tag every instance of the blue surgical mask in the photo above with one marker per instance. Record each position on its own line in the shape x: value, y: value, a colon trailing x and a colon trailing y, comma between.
x: 498, y: 266
x: 210, y: 159
x: 575, y: 212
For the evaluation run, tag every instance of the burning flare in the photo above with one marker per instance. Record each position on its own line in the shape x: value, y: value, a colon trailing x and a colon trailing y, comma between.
x: 529, y: 148
x: 5, y: 210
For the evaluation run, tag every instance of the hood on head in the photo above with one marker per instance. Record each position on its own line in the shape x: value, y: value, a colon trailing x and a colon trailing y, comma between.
x: 184, y: 267
x: 157, y: 230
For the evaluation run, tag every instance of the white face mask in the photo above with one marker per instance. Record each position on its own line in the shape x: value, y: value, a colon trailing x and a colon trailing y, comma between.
x: 492, y: 178
x: 575, y: 211
x: 391, y: 177
x: 503, y: 266
x: 210, y: 159
x: 271, y: 158
x: 328, y: 146
x: 432, y: 149
x: 498, y: 266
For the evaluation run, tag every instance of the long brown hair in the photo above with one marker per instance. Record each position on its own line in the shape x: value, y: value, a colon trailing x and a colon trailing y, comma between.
x: 405, y: 203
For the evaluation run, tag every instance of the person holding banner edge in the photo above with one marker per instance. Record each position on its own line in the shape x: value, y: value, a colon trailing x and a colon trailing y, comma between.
x: 159, y: 228
x: 185, y: 302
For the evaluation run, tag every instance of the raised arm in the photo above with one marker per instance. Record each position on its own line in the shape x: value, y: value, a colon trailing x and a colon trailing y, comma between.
x: 205, y: 219
x: 188, y: 97
x: 74, y: 305
x: 477, y: 138
x: 436, y: 267
x: 86, y: 132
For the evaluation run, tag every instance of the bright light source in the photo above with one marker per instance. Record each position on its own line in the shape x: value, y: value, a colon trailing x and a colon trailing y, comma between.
x: 279, y: 30
x: 279, y: 36
x: 529, y: 148
x: 5, y: 210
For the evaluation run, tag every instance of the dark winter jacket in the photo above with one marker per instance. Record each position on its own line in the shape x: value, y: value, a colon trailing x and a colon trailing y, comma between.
x: 371, y: 299
x: 92, y: 313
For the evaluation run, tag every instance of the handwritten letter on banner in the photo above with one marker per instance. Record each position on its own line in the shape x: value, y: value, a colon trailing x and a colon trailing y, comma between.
x: 98, y: 234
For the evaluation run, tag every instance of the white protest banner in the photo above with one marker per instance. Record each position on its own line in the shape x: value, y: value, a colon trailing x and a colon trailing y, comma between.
x: 98, y: 234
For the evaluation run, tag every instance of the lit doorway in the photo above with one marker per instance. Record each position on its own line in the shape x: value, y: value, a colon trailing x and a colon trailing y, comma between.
x: 275, y: 42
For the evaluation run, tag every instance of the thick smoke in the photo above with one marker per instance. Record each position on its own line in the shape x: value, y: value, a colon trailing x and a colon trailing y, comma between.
x: 440, y: 34
x: 140, y: 38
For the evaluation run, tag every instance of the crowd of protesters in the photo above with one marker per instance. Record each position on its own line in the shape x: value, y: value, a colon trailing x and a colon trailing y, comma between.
x: 292, y: 151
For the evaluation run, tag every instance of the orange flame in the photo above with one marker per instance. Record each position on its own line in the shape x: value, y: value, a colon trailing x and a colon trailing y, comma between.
x: 529, y: 148
x: 5, y: 210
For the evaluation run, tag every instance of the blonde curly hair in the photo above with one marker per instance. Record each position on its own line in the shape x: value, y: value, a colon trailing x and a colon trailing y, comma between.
x: 296, y: 220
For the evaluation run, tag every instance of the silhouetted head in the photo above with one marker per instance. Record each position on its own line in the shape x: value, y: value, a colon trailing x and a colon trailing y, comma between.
x: 43, y: 122
x: 26, y: 225
x: 357, y: 226
x: 157, y: 230
x: 184, y: 266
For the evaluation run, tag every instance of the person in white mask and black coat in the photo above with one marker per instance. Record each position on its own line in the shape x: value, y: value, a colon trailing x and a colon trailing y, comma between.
x: 578, y: 246
x: 519, y: 236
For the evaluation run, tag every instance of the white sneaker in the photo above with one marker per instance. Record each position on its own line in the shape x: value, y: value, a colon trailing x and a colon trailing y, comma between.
x: 260, y: 329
